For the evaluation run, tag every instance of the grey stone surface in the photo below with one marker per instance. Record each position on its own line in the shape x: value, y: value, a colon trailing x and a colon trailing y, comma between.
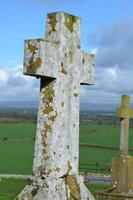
x: 62, y: 67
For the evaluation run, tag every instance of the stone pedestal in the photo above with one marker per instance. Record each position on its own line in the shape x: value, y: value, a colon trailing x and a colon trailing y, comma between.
x: 122, y: 173
x: 66, y: 188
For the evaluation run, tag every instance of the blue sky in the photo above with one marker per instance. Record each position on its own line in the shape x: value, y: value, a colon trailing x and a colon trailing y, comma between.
x: 107, y: 29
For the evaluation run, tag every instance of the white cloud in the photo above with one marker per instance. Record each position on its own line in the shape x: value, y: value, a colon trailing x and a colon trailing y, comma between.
x: 94, y: 51
x: 14, y: 86
x: 114, y: 60
x: 110, y: 84
x: 3, y: 75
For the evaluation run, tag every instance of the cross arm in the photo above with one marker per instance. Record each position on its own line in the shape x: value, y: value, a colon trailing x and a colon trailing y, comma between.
x: 40, y: 58
x: 125, y: 113
x: 86, y: 68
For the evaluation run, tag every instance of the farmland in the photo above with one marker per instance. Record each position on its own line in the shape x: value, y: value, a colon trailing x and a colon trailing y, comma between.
x: 17, y: 145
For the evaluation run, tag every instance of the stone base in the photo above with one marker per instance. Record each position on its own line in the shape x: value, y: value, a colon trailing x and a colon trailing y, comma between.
x: 122, y: 174
x: 67, y: 188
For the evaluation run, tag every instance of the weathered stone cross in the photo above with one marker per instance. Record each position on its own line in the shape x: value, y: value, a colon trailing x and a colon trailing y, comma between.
x: 125, y: 113
x: 122, y: 165
x: 62, y: 67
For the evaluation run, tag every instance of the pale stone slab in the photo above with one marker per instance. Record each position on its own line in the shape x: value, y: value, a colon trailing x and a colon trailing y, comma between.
x: 122, y: 173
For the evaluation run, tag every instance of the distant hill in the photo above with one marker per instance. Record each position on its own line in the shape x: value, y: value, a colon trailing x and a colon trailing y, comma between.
x: 98, y: 107
x: 83, y: 106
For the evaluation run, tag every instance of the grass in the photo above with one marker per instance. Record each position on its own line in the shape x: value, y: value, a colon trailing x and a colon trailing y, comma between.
x: 17, y: 155
x: 12, y: 130
x: 103, y: 135
x: 96, y: 188
x: 10, y: 188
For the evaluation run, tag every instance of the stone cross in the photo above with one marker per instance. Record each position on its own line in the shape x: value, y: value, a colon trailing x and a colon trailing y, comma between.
x: 125, y: 113
x: 61, y: 66
x: 122, y: 165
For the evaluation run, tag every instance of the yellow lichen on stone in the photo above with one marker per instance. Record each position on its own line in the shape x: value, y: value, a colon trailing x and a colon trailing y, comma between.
x: 75, y: 94
x: 69, y: 168
x: 47, y: 128
x: 74, y: 188
x: 41, y: 169
x: 50, y: 171
x: 69, y: 21
x: 46, y: 157
x: 32, y: 48
x: 53, y: 117
x: 34, y: 192
x: 48, y: 93
x: 57, y: 169
x: 83, y: 60
x: 34, y: 65
x: 52, y: 22
x: 47, y: 109
x: 44, y: 144
x: 63, y: 71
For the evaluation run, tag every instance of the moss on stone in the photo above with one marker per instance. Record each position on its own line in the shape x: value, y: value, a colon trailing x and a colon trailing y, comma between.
x: 74, y: 187
x: 57, y: 169
x: 32, y: 48
x: 34, y: 65
x: 83, y: 60
x: 34, y: 192
x: 70, y: 20
x: 47, y: 109
x: 63, y: 71
x: 46, y: 157
x: 29, y: 181
x: 47, y: 128
x: 75, y: 94
x: 48, y: 93
x: 52, y: 22
x: 41, y: 170
x: 69, y: 168
x: 53, y: 117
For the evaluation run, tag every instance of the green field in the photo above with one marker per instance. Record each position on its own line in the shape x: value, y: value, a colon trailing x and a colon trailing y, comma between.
x: 17, y: 145
x: 10, y: 188
x: 16, y: 151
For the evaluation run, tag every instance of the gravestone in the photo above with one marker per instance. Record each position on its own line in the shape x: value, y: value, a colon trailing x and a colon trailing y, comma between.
x: 122, y: 166
x: 61, y: 66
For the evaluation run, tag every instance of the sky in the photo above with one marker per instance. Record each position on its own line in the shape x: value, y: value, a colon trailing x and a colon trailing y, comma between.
x: 106, y: 31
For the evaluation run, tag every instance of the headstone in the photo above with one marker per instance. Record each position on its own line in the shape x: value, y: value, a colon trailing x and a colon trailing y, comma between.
x: 122, y: 166
x: 62, y: 67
